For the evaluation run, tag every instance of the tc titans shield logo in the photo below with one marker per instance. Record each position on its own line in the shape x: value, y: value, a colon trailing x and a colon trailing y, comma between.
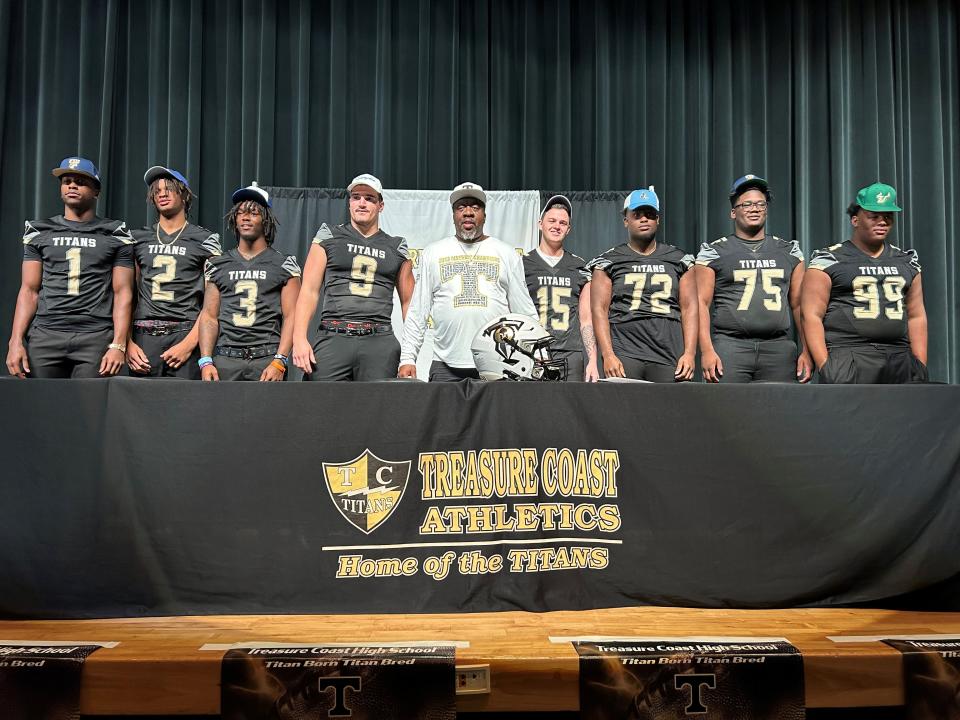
x: 366, y: 490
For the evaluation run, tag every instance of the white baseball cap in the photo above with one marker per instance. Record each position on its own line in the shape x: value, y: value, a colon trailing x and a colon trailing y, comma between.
x: 470, y: 190
x: 368, y: 180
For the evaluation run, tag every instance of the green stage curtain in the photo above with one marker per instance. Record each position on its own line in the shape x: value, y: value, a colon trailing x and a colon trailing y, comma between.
x: 819, y: 96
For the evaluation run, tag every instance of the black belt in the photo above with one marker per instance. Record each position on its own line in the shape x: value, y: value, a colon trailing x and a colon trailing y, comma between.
x: 161, y: 327
x: 246, y: 353
x: 350, y: 327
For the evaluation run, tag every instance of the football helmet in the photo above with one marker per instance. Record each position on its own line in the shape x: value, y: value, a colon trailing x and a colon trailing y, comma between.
x: 515, y: 347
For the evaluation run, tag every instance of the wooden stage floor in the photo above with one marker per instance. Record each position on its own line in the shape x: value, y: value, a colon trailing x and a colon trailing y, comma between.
x: 158, y: 668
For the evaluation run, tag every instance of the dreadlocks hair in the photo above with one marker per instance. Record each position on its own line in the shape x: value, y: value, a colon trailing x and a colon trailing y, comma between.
x: 172, y: 184
x: 270, y: 221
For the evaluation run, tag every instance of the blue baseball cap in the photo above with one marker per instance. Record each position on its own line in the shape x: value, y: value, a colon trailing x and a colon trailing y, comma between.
x: 252, y: 192
x: 747, y: 182
x: 158, y: 171
x: 642, y: 198
x: 78, y: 166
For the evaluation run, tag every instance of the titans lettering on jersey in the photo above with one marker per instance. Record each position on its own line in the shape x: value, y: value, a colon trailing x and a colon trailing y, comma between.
x: 751, y: 297
x: 867, y: 294
x: 361, y: 273
x: 171, y: 271
x: 645, y: 301
x: 250, y: 312
x: 78, y: 258
x: 555, y: 291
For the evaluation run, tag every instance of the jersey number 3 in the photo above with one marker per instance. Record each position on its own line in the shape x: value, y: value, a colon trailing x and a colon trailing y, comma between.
x: 248, y: 317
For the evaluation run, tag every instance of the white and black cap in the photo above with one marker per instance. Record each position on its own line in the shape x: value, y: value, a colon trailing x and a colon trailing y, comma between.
x: 468, y: 190
x: 558, y: 200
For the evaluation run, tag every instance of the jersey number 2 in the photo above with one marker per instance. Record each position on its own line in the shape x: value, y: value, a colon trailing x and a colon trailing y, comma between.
x: 169, y: 265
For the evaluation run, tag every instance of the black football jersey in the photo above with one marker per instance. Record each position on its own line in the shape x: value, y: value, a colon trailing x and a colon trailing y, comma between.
x: 555, y: 291
x: 751, y: 296
x: 867, y: 294
x: 171, y: 271
x: 361, y: 273
x: 78, y: 258
x: 645, y: 300
x: 250, y: 311
x: 643, y: 285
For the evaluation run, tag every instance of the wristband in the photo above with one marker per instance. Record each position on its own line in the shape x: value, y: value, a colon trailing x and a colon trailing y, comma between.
x: 204, y: 361
x: 277, y: 365
x: 282, y: 358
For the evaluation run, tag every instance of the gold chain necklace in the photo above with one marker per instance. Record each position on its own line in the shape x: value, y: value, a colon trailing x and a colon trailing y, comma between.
x: 175, y: 238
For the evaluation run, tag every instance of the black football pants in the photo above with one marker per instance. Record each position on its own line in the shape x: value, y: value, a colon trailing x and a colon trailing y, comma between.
x: 748, y: 360
x: 872, y: 364
x: 155, y: 345
x: 59, y: 354
x: 355, y: 357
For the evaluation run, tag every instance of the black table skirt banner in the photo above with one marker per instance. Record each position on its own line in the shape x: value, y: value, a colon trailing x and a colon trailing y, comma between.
x: 679, y: 678
x: 128, y: 497
x: 931, y: 677
x: 41, y: 681
x: 370, y: 682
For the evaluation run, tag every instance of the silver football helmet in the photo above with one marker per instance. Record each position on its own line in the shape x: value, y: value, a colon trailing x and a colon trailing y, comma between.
x: 515, y: 347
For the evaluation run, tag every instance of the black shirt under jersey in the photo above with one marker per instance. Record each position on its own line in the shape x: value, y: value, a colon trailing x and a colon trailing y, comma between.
x: 76, y: 291
x: 555, y: 291
x: 867, y: 294
x: 250, y: 310
x: 361, y: 273
x: 171, y: 271
x: 751, y: 296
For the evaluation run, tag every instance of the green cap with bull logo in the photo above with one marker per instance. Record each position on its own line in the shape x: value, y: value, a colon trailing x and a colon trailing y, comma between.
x: 878, y: 197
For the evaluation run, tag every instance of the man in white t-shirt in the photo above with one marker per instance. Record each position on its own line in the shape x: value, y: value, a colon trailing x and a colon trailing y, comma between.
x: 465, y: 281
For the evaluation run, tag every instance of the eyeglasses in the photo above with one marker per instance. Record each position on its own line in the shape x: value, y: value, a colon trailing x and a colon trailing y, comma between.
x: 758, y: 204
x: 357, y: 197
x: 645, y: 212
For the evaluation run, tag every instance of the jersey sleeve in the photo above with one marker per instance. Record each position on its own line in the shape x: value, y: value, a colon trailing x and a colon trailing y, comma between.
x: 324, y: 233
x: 211, y: 244
x: 291, y: 266
x: 795, y: 251
x: 913, y: 261
x: 824, y: 259
x: 125, y: 256
x: 707, y: 256
x: 686, y: 262
x: 601, y: 262
x: 30, y: 251
x: 210, y: 273
x: 403, y: 249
